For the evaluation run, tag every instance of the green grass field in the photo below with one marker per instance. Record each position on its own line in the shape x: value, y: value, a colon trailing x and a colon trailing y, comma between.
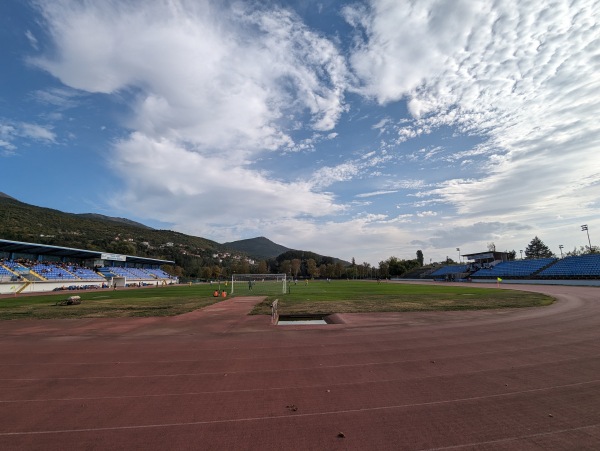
x: 315, y: 297
x: 361, y: 296
x: 163, y: 301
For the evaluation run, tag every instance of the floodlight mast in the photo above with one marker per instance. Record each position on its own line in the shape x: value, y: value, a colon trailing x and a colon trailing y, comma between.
x: 584, y: 227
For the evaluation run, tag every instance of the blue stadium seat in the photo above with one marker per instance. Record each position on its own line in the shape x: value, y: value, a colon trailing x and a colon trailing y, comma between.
x: 515, y: 268
x: 572, y: 267
x: 449, y: 270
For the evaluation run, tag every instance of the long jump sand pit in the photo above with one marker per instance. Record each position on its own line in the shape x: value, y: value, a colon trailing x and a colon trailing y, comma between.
x: 217, y: 379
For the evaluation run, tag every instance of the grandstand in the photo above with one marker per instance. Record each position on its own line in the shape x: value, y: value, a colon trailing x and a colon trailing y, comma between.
x: 31, y: 267
x: 514, y: 268
x: 450, y: 272
x: 5, y: 274
x: 581, y: 266
x: 49, y: 271
x: 488, y: 266
x: 134, y: 274
x: 86, y: 273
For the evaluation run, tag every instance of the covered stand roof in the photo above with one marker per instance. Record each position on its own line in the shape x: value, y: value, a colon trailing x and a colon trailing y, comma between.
x: 488, y: 255
x: 58, y: 251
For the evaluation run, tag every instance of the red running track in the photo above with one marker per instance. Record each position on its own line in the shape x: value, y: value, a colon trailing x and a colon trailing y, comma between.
x: 216, y: 379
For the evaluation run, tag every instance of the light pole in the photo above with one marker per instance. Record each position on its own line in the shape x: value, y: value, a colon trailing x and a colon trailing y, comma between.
x: 458, y: 249
x: 585, y: 227
x: 560, y: 246
x: 521, y: 251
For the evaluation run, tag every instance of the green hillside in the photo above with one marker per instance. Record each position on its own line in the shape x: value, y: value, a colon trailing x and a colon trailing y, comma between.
x: 23, y: 222
x: 194, y: 257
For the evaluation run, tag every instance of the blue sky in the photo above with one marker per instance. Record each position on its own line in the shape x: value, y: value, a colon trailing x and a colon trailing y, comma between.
x: 363, y: 129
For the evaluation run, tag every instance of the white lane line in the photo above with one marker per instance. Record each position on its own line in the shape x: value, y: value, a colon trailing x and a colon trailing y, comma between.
x: 512, y: 439
x: 279, y: 370
x: 299, y: 387
x: 288, y: 416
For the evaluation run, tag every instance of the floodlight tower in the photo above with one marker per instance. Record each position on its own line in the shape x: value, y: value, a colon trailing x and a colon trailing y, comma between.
x: 584, y: 227
x: 560, y: 246
x: 458, y: 249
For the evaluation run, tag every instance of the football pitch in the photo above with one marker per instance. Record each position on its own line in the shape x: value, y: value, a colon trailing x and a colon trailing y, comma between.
x: 322, y: 297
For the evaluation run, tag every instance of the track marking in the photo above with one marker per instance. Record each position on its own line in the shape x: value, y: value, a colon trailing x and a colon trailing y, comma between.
x: 512, y: 439
x: 278, y: 370
x: 251, y: 390
x: 588, y: 341
x: 591, y: 341
x: 296, y: 415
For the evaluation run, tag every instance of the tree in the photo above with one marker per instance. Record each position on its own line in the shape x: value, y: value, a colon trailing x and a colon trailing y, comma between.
x: 244, y: 266
x: 286, y: 267
x: 296, y: 264
x: 537, y: 249
x: 420, y: 257
x: 491, y: 247
x: 173, y: 270
x: 583, y: 250
x: 384, y: 269
x: 312, y: 268
x: 326, y: 270
x: 207, y: 272
x: 262, y: 267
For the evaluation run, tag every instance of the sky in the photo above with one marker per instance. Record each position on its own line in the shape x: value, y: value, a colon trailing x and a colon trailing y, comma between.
x: 361, y: 129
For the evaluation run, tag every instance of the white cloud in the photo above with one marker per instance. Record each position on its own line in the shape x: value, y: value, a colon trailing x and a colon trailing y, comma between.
x: 480, y: 232
x: 525, y: 76
x: 224, y: 80
x: 376, y: 193
x: 7, y: 130
x: 326, y: 176
x: 409, y: 42
x: 12, y: 132
x: 214, y: 89
x: 409, y: 184
x: 32, y: 39
x: 200, y: 195
x: 60, y: 97
x: 367, y: 238
x: 36, y: 132
x: 7, y: 147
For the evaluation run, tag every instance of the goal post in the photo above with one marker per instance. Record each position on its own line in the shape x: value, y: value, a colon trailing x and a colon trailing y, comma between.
x: 259, y: 284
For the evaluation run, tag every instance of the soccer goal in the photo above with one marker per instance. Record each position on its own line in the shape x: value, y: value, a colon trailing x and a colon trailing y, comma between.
x: 259, y: 284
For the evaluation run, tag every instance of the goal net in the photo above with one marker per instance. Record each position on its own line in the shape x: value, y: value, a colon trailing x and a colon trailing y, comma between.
x: 259, y: 284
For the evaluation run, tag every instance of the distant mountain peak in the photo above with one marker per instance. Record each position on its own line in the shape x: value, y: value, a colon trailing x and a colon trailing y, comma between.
x: 6, y: 196
x: 259, y: 247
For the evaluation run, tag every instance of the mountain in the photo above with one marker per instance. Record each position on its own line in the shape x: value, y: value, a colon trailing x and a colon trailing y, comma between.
x: 110, y: 218
x: 307, y: 255
x: 259, y: 248
x: 24, y: 222
x: 194, y: 255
